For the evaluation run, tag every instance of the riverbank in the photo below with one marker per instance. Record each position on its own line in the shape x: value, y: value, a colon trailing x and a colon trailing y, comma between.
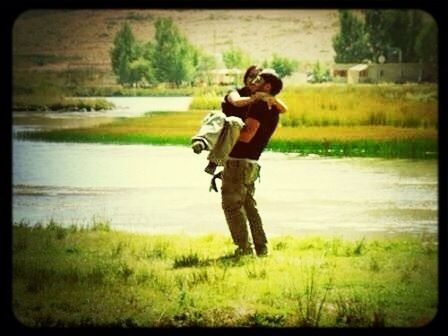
x: 94, y: 276
x: 177, y: 128
x: 50, y: 101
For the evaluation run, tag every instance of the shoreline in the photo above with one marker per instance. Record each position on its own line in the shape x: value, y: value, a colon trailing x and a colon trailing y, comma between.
x: 344, y: 234
x: 393, y: 149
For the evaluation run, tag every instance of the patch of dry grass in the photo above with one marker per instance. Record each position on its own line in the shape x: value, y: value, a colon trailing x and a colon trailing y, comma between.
x: 411, y: 105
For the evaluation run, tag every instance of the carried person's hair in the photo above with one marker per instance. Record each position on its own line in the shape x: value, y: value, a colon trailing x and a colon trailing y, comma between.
x: 248, y: 71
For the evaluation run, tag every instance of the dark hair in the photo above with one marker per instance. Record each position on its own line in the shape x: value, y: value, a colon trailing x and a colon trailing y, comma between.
x: 248, y: 71
x: 276, y: 82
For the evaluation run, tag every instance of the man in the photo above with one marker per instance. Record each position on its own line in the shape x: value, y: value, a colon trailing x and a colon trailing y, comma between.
x: 241, y: 169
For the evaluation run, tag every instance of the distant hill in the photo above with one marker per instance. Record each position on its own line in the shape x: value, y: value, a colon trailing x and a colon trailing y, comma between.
x: 57, y: 39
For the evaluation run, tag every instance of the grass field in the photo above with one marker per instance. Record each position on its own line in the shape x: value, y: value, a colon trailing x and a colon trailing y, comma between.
x: 94, y: 276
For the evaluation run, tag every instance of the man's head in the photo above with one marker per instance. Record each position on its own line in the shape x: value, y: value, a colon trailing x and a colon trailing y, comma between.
x: 269, y: 81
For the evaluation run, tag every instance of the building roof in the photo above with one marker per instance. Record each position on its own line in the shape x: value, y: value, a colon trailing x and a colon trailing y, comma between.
x: 359, y: 67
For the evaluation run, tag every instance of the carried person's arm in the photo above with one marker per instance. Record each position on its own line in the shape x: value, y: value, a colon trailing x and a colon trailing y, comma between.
x: 272, y: 101
x: 235, y: 99
x: 281, y: 106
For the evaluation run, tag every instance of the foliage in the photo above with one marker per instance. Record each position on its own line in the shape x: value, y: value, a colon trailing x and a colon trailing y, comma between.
x: 235, y: 58
x: 400, y: 35
x: 319, y: 74
x: 173, y: 58
x: 426, y: 44
x: 351, y: 43
x: 205, y: 63
x: 141, y: 69
x: 282, y: 65
x: 391, y: 31
x: 169, y: 58
x: 123, y: 53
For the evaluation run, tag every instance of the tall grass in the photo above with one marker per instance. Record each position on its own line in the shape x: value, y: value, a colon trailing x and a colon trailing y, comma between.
x: 409, y: 105
x: 208, y: 101
x: 72, y: 276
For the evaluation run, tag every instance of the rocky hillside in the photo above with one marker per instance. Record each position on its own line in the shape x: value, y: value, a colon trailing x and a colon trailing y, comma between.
x: 58, y: 39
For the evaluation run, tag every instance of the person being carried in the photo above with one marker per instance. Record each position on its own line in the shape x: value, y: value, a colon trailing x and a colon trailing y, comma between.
x: 219, y: 130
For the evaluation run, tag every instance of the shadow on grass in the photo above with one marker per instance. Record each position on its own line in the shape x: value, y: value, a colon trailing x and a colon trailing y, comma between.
x: 193, y: 260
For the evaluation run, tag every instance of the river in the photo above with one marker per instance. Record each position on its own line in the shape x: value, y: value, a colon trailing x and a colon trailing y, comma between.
x: 163, y: 189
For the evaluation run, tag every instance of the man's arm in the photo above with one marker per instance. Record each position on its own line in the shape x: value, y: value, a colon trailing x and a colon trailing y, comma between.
x: 248, y: 131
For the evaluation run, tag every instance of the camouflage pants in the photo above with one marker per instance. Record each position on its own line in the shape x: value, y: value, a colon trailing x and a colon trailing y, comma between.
x: 239, y: 205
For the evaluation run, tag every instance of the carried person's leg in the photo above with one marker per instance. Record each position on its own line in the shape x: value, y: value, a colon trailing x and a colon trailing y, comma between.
x: 209, y: 131
x: 224, y: 144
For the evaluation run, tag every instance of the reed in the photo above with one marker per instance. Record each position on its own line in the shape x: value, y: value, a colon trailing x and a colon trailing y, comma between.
x: 59, y: 103
x: 408, y: 105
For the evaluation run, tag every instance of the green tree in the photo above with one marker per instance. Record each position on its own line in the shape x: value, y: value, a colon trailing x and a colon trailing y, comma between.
x: 140, y: 70
x: 426, y: 45
x: 351, y: 42
x: 123, y: 53
x: 319, y: 74
x: 173, y: 59
x: 282, y: 65
x: 393, y: 30
x: 235, y: 58
x: 205, y: 63
x: 377, y: 25
x: 414, y: 25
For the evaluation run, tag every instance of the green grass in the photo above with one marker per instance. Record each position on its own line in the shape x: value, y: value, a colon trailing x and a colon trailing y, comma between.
x: 177, y: 128
x: 414, y: 148
x: 95, y: 276
x: 395, y: 148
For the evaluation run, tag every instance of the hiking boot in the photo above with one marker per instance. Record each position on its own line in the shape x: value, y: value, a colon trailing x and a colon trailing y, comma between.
x: 262, y: 251
x: 239, y: 252
x: 198, y: 147
x: 211, y: 167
